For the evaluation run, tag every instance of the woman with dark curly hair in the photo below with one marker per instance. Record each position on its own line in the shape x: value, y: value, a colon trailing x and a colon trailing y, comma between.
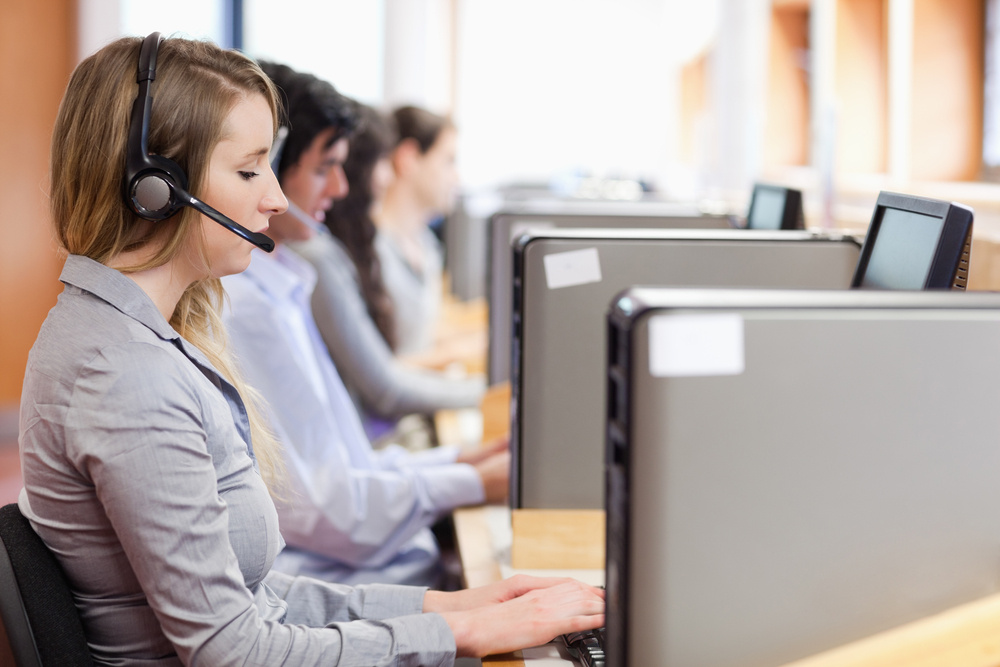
x: 354, y: 312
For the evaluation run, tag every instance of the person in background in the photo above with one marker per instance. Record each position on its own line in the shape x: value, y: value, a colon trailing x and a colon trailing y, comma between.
x: 353, y: 514
x: 353, y: 310
x: 424, y: 189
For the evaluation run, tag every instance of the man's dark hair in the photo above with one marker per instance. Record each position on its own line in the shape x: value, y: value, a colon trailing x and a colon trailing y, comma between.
x: 311, y: 105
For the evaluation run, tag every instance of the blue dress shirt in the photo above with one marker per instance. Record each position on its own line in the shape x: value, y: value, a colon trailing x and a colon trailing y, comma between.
x: 355, y: 515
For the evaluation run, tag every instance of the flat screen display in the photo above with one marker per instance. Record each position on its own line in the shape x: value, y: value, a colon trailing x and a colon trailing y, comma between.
x: 904, y: 248
x: 767, y: 209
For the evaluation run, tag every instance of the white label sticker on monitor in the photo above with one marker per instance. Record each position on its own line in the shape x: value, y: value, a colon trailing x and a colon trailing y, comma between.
x: 696, y: 345
x: 576, y: 267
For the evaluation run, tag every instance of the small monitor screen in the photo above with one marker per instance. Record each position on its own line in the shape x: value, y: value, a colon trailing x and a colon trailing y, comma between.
x: 767, y: 209
x: 904, y: 248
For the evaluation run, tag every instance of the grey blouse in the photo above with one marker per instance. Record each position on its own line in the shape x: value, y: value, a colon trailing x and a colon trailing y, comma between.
x: 383, y: 386
x: 139, y: 475
x: 415, y: 294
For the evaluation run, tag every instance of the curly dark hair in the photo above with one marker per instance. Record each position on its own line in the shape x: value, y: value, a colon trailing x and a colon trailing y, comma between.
x: 349, y: 219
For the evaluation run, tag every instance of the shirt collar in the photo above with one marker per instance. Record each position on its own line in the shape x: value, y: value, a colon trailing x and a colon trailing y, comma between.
x: 118, y: 290
x: 281, y: 274
x: 125, y: 294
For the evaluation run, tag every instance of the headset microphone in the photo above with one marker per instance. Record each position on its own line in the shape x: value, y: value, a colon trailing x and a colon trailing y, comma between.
x: 155, y: 186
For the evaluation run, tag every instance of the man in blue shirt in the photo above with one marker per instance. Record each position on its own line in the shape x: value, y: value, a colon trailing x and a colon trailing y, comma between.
x: 352, y: 514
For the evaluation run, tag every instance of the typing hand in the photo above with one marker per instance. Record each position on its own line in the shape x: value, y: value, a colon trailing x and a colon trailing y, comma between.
x: 476, y: 453
x: 530, y: 619
x: 494, y: 471
x: 496, y: 592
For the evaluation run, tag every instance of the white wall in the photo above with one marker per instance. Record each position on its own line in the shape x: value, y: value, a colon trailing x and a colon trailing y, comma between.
x: 99, y: 23
x: 739, y: 92
x: 102, y: 21
x: 540, y: 89
x: 548, y: 89
x: 340, y: 41
x: 419, y: 54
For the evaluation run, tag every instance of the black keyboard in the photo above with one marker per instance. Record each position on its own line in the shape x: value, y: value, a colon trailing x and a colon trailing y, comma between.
x: 587, y: 647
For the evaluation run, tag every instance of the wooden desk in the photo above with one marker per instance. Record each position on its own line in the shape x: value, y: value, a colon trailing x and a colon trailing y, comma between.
x: 466, y: 427
x: 485, y: 547
x: 480, y: 564
x: 966, y: 636
x: 461, y: 339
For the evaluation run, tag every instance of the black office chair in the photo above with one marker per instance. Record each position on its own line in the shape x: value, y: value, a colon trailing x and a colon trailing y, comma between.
x: 41, y: 623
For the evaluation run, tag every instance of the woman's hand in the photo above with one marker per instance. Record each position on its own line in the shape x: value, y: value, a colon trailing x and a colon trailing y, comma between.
x: 531, y: 618
x: 516, y: 613
x: 495, y: 593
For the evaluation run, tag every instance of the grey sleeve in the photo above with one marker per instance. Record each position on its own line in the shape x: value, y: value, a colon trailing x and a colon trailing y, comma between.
x: 364, y: 360
x: 393, y: 611
x: 313, y: 602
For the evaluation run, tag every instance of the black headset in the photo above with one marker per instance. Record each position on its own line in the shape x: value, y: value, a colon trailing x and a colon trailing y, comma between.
x: 156, y: 187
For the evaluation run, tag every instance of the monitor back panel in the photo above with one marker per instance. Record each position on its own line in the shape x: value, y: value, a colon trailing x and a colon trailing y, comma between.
x: 558, y: 389
x: 505, y: 227
x: 465, y: 248
x: 793, y: 473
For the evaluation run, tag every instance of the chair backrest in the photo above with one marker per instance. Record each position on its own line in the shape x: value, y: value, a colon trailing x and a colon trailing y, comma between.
x: 41, y: 622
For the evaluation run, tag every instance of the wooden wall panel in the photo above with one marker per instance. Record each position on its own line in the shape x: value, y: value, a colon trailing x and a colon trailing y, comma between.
x: 861, y: 82
x: 694, y: 105
x: 947, y: 112
x: 786, y: 130
x: 37, y: 48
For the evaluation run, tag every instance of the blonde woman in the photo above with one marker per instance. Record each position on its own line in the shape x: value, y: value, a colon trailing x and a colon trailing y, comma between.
x: 145, y: 470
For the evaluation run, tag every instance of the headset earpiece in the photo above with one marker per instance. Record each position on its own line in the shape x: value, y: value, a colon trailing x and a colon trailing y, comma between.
x: 151, y: 191
x: 155, y: 187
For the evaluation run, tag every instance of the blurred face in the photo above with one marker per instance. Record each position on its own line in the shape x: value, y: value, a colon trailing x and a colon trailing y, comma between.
x: 382, y: 177
x: 317, y: 179
x: 241, y: 185
x: 436, y: 176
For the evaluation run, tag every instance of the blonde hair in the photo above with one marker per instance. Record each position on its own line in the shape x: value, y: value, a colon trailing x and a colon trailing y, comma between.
x: 197, y: 84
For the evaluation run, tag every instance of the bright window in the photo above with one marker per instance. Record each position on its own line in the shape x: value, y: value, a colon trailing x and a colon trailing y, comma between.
x: 340, y: 41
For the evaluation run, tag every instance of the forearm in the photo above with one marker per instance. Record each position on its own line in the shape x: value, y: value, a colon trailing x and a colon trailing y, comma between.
x: 386, y: 386
x: 412, y: 390
x: 313, y: 602
x: 362, y: 518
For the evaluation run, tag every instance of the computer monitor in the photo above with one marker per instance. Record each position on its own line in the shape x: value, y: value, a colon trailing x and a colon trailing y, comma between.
x: 915, y: 243
x: 564, y: 280
x: 465, y: 232
x: 793, y: 471
x: 507, y: 224
x: 775, y: 207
